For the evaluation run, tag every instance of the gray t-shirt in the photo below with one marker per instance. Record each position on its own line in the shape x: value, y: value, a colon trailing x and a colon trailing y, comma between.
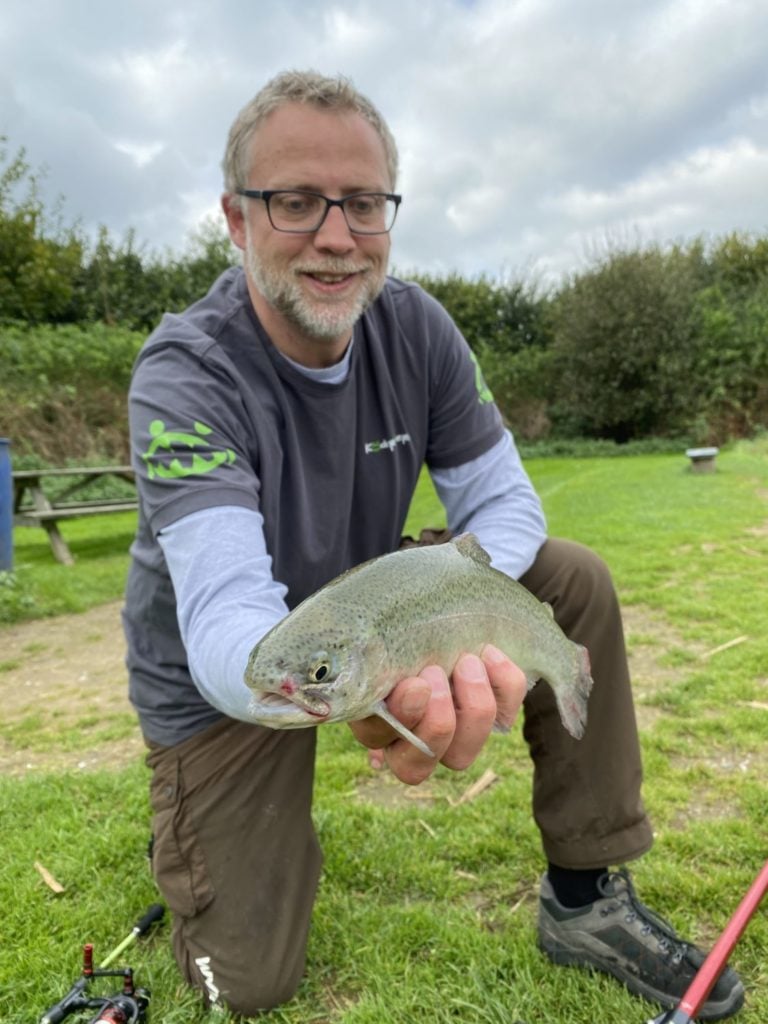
x: 219, y: 417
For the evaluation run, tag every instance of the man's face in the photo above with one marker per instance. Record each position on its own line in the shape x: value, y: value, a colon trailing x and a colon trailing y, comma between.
x: 312, y: 288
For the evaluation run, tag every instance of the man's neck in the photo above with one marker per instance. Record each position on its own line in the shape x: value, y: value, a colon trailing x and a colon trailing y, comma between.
x: 326, y: 375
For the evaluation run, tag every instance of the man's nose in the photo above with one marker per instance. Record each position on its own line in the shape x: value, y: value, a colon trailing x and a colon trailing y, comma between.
x: 334, y: 232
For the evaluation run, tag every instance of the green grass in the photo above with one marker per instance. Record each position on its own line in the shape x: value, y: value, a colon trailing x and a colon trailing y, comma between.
x: 426, y: 912
x: 40, y: 586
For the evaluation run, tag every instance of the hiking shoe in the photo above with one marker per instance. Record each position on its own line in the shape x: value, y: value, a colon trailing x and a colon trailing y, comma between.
x: 619, y: 935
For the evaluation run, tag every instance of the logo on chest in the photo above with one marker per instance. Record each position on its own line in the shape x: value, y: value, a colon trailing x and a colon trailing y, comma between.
x: 387, y: 445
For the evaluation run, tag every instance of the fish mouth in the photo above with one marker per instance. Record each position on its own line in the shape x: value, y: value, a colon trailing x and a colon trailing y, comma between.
x: 268, y: 704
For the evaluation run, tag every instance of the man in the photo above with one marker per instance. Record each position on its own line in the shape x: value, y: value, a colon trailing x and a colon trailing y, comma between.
x: 278, y: 429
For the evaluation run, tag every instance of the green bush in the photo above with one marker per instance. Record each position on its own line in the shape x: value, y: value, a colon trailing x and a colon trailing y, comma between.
x: 122, y: 284
x: 502, y: 317
x: 39, y: 260
x: 521, y: 383
x: 507, y: 326
x: 63, y: 391
x: 653, y: 342
x: 732, y: 363
x: 50, y: 273
x: 16, y: 602
x: 624, y: 348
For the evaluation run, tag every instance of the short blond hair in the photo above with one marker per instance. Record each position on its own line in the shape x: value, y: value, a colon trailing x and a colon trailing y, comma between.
x: 314, y: 89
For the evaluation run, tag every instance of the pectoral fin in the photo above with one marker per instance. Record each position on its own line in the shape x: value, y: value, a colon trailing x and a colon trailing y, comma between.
x: 381, y: 709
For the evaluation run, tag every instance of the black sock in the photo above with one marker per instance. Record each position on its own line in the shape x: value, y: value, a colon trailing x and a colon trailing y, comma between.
x: 575, y: 888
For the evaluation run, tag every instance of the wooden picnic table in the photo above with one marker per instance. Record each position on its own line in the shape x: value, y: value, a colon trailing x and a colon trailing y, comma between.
x: 32, y: 506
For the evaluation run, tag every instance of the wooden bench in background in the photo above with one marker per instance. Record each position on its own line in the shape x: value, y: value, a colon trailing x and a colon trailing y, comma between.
x: 33, y: 507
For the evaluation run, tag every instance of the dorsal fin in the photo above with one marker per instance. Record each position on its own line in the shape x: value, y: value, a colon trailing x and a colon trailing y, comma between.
x: 469, y: 546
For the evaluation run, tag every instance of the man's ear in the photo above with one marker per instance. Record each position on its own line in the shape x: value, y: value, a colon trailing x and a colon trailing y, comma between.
x: 233, y: 211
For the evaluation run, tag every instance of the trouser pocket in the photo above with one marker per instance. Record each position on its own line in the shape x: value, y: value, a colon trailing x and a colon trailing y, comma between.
x: 178, y: 863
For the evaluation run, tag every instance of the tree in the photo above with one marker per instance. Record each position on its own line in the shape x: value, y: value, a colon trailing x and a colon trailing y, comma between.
x: 39, y: 263
x: 625, y: 347
x: 502, y: 317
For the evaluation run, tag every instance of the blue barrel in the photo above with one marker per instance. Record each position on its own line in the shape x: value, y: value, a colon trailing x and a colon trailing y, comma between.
x: 6, y: 507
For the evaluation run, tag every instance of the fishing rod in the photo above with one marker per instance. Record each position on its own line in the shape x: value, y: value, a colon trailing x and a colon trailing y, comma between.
x: 706, y: 976
x: 129, y: 1006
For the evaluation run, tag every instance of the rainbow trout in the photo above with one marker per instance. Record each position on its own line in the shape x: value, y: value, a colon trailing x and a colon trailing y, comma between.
x: 339, y: 654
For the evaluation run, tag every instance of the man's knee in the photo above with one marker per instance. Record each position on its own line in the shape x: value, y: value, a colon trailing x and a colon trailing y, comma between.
x: 242, y: 989
x: 564, y: 568
x: 249, y: 996
x: 589, y: 575
x: 578, y: 585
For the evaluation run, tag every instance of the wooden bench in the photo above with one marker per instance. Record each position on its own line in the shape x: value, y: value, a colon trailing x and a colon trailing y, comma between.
x: 33, y: 507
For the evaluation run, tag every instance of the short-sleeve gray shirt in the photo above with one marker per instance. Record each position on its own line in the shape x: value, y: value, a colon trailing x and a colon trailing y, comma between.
x: 219, y: 417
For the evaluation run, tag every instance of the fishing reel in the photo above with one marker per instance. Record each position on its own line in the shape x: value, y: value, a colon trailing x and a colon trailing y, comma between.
x: 129, y: 1006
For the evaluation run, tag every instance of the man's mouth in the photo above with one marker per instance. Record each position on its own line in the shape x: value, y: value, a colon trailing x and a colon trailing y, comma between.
x: 333, y: 275
x: 330, y: 278
x: 332, y: 285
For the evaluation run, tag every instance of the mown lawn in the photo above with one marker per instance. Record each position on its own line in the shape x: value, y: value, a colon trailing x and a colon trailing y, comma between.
x: 426, y: 911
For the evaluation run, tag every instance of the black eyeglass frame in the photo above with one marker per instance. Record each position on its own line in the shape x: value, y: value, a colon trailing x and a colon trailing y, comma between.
x: 267, y: 193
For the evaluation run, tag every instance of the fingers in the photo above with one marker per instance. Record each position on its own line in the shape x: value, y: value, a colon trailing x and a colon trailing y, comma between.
x: 485, y: 690
x: 454, y: 719
x: 475, y: 705
x: 408, y: 702
x: 423, y: 704
x: 376, y: 758
x: 508, y: 683
x: 436, y: 726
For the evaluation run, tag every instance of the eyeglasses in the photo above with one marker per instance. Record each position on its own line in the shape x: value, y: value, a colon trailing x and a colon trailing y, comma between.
x: 299, y: 212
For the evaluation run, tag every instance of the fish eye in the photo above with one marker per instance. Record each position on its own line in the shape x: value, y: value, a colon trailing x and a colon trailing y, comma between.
x: 320, y: 670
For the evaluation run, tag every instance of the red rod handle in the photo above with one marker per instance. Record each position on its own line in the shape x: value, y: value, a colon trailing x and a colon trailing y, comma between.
x: 708, y: 973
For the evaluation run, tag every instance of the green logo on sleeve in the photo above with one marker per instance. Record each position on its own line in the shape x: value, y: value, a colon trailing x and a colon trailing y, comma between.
x: 167, y: 440
x: 483, y: 391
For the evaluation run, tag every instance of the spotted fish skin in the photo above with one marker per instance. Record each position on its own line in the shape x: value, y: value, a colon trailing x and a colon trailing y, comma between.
x: 339, y: 654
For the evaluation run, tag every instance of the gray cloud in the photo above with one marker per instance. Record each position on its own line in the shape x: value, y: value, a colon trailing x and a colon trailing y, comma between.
x: 530, y: 132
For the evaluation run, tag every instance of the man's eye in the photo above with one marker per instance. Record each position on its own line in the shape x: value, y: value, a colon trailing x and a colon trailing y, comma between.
x: 363, y: 206
x: 296, y: 205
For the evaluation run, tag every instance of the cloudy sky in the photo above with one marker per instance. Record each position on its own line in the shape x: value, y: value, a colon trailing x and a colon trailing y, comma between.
x: 533, y: 133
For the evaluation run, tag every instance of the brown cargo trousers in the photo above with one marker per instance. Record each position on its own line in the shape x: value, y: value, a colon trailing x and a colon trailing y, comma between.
x: 236, y: 856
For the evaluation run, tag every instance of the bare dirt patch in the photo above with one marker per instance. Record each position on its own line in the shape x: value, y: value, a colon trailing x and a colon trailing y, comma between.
x: 59, y: 677
x: 650, y: 638
x: 385, y: 790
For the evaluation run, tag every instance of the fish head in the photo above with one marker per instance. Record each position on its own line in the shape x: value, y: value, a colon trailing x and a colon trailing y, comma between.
x: 311, y: 678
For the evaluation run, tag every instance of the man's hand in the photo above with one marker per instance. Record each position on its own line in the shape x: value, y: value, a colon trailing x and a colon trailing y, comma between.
x: 454, y: 719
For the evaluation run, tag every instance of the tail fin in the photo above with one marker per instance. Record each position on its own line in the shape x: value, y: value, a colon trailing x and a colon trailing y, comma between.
x: 572, y: 696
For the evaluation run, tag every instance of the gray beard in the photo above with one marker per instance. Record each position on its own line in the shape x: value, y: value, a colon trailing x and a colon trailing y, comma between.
x: 319, y: 322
